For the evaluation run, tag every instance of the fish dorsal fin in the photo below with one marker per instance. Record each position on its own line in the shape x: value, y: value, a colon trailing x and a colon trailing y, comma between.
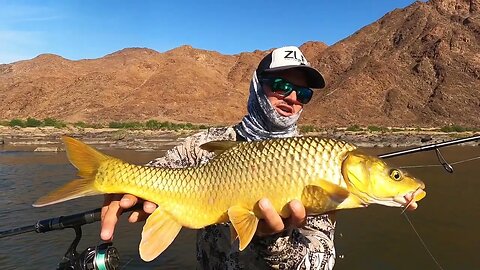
x: 158, y: 233
x: 218, y: 147
x: 245, y: 223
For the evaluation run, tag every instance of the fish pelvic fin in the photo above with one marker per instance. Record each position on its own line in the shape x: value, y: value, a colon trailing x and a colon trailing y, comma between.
x: 245, y: 223
x: 158, y: 233
x: 86, y: 160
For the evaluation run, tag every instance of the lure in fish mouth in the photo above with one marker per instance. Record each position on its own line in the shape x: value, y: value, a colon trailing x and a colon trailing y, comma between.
x: 373, y: 181
x: 324, y: 174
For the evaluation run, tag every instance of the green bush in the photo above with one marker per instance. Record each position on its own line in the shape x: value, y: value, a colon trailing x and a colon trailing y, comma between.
x: 354, y: 128
x: 134, y: 125
x: 167, y: 125
x: 376, y: 129
x: 453, y: 128
x: 80, y: 124
x: 116, y: 125
x: 127, y: 125
x: 51, y: 122
x: 98, y: 125
x: 32, y: 122
x: 153, y: 124
x: 307, y: 128
x: 17, y: 122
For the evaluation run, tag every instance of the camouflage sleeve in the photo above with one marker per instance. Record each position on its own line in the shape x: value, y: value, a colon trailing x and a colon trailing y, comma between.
x: 189, y: 153
x: 310, y: 247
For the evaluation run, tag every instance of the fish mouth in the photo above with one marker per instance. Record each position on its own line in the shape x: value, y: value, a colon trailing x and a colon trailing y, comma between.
x: 408, y: 197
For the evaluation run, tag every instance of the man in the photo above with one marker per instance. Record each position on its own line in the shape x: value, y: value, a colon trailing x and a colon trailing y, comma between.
x: 279, y: 89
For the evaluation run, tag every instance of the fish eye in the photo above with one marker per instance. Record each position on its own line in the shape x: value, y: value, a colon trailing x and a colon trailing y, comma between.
x: 395, y: 175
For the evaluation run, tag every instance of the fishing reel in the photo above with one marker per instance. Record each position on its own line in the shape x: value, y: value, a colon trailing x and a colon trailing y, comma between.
x: 101, y: 257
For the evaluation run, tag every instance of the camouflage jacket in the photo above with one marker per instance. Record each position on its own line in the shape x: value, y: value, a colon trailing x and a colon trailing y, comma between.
x: 309, y: 247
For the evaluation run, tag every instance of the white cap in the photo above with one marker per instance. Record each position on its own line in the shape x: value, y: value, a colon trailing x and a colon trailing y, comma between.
x: 290, y: 57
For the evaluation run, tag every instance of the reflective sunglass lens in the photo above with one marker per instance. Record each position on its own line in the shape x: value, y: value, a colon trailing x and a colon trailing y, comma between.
x: 285, y: 88
x: 304, y: 95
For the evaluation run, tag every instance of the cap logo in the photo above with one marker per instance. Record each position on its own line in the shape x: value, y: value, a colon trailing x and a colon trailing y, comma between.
x: 293, y: 55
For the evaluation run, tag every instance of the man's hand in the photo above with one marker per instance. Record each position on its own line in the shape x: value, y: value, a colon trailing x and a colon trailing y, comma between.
x: 114, y: 205
x: 273, y: 223
x: 409, y: 197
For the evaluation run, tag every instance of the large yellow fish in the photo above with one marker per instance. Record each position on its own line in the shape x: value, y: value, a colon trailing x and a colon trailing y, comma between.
x: 324, y: 174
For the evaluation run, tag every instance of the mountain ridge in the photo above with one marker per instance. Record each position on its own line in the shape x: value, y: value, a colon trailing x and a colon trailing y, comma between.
x: 417, y: 66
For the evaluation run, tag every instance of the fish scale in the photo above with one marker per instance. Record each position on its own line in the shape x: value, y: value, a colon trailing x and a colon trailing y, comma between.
x: 324, y: 174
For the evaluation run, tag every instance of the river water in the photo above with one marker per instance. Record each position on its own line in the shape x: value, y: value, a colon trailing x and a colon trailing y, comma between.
x: 448, y: 219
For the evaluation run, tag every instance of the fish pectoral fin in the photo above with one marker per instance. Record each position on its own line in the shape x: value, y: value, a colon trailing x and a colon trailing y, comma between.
x: 245, y: 223
x: 320, y: 199
x: 218, y: 147
x: 336, y: 192
x: 158, y: 233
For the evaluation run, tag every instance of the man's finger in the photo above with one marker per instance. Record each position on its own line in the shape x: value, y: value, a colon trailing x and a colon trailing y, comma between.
x: 149, y: 207
x: 138, y: 216
x: 298, y: 214
x: 141, y: 215
x: 272, y: 222
x: 128, y: 201
x: 107, y: 199
x: 110, y: 219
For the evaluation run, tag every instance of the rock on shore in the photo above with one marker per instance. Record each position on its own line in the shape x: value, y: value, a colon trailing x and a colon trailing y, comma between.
x: 49, y: 138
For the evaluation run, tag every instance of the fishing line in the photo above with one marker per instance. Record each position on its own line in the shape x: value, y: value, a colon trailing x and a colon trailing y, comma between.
x: 439, y: 165
x: 125, y: 265
x: 421, y: 241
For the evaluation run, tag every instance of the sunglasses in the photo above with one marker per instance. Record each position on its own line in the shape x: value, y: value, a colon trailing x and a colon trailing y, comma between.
x: 284, y: 88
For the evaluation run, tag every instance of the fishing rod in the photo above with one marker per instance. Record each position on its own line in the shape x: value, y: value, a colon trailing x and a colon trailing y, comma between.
x: 101, y: 257
x: 434, y: 146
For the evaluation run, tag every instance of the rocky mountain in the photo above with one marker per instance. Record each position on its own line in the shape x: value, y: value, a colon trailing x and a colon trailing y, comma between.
x: 418, y: 66
x: 415, y: 66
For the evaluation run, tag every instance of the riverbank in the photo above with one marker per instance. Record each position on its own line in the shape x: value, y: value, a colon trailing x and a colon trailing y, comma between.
x: 49, y: 138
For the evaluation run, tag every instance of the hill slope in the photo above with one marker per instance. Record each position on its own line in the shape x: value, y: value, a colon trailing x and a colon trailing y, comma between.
x: 418, y: 66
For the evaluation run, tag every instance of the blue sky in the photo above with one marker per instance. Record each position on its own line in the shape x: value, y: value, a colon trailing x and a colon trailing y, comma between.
x: 83, y: 29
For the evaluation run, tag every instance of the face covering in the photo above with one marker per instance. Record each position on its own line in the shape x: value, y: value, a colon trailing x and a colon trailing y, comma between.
x: 263, y: 121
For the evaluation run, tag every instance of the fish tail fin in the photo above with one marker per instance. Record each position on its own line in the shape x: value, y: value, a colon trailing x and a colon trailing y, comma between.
x: 86, y: 160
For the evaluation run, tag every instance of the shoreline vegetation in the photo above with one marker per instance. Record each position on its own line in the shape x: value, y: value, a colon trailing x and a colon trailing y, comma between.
x: 45, y: 135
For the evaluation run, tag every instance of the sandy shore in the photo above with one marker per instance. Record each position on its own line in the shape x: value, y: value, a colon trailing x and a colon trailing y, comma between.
x: 49, y: 138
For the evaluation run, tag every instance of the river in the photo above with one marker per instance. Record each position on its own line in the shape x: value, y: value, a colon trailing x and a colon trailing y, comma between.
x: 377, y: 237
